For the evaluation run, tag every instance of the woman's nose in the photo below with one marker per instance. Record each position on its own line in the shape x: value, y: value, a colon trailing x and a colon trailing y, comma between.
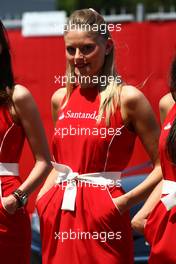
x: 78, y: 54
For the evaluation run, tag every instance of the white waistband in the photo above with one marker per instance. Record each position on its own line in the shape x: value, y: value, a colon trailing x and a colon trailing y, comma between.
x: 169, y: 189
x: 66, y: 174
x: 11, y: 169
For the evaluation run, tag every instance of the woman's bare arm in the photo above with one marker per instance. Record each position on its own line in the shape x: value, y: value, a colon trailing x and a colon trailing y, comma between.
x: 28, y: 115
x: 56, y: 103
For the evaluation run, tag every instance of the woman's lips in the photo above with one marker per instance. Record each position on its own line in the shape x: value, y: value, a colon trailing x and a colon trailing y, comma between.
x: 79, y: 66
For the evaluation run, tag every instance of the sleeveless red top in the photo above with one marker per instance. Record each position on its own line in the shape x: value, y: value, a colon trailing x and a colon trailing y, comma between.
x: 11, y: 137
x: 86, y: 146
x: 11, y: 143
x: 168, y: 168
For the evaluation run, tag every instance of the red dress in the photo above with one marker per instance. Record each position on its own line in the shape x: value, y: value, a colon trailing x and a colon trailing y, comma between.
x: 87, y: 147
x: 15, y: 235
x: 160, y: 230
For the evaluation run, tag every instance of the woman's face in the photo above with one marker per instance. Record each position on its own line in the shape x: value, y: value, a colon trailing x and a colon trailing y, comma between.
x: 85, y: 52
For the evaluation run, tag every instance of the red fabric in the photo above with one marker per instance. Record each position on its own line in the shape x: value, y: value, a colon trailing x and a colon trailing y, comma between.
x: 161, y: 224
x: 15, y: 234
x: 13, y: 141
x: 168, y: 168
x: 95, y: 214
x: 97, y: 148
x: 95, y: 211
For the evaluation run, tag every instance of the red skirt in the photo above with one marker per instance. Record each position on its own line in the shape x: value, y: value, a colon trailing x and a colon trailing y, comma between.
x: 15, y: 231
x: 160, y: 232
x: 94, y: 233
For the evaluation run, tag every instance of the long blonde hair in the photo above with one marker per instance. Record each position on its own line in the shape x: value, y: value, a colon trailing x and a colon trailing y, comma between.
x: 109, y: 93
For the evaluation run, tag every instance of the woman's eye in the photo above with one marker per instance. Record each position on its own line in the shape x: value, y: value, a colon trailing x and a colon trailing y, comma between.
x: 71, y: 50
x: 87, y: 48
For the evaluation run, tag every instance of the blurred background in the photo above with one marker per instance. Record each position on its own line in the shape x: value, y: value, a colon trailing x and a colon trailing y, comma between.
x: 14, y: 9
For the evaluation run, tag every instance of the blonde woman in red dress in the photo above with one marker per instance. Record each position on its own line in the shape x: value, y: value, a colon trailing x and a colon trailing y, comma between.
x: 82, y: 207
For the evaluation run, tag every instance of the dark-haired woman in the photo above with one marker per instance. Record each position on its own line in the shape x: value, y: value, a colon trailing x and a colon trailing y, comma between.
x: 19, y: 118
x: 157, y: 218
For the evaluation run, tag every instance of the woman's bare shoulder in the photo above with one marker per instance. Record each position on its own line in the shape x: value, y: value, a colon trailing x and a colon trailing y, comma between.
x: 166, y: 103
x: 58, y: 96
x: 131, y: 96
x: 19, y: 93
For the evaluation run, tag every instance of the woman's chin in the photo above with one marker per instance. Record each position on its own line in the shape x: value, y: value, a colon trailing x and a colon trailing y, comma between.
x: 81, y: 73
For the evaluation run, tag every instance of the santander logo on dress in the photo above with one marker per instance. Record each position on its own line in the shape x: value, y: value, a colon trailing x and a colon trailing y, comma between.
x: 78, y: 115
x: 85, y: 129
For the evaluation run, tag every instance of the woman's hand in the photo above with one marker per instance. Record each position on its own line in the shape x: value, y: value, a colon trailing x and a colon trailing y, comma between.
x: 10, y: 204
x: 138, y: 224
x: 121, y: 203
x: 139, y: 220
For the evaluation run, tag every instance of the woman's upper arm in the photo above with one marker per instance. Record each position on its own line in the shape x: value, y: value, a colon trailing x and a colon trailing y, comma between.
x: 142, y: 118
x: 28, y: 114
x: 56, y: 102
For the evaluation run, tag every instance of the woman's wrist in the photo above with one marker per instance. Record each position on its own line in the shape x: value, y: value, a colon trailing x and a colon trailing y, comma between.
x: 127, y: 200
x: 21, y: 197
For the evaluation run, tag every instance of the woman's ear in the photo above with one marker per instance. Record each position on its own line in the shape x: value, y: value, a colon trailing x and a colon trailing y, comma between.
x: 109, y: 46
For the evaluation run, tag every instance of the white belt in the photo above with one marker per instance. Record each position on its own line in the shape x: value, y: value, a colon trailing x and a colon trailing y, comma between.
x: 67, y: 175
x: 8, y: 169
x: 169, y: 188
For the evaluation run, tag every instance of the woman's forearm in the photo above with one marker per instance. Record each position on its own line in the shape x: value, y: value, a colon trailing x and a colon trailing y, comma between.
x: 139, y: 220
x: 37, y: 175
x: 143, y: 190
